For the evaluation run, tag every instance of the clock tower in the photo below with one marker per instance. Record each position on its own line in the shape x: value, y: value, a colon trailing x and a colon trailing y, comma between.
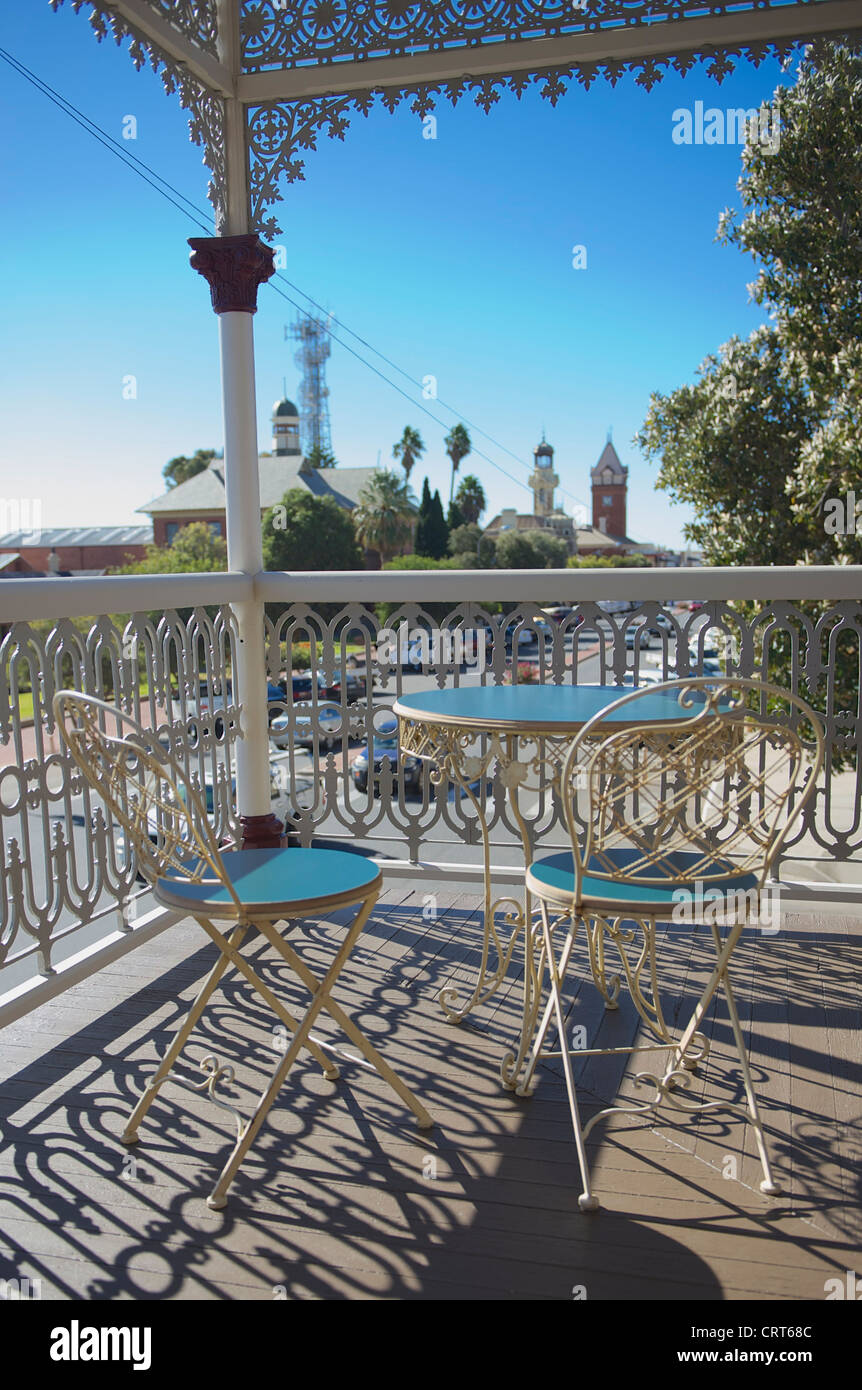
x: 543, y: 479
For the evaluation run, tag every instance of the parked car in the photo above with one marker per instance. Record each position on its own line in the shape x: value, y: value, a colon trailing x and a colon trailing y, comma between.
x: 353, y: 686
x: 206, y: 706
x: 210, y: 705
x: 276, y: 696
x: 302, y: 686
x: 655, y: 632
x: 561, y: 614
x: 327, y: 721
x: 529, y: 633
x: 302, y: 795
x: 385, y: 746
x: 646, y: 676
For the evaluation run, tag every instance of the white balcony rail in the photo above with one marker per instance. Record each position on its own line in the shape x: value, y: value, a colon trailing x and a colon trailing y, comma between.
x: 70, y: 891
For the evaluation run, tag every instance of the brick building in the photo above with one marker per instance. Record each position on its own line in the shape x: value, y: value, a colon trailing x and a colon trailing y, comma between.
x: 202, y: 498
x: 65, y: 550
x: 606, y: 535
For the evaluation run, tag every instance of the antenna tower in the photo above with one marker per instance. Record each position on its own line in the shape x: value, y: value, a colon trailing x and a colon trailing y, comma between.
x: 313, y: 337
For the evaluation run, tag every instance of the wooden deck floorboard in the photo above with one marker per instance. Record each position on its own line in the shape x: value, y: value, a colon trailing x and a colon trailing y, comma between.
x: 344, y: 1198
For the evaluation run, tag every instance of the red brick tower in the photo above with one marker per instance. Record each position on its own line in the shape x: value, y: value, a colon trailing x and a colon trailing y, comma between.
x: 610, y: 488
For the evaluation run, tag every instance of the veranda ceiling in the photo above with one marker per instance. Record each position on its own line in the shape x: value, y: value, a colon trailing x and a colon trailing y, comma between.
x: 264, y: 78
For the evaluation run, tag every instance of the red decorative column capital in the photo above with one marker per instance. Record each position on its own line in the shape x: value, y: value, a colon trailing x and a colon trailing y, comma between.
x: 233, y: 267
x: 262, y: 832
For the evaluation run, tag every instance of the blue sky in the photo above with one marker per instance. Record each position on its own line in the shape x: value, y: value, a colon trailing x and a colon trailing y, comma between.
x: 452, y: 256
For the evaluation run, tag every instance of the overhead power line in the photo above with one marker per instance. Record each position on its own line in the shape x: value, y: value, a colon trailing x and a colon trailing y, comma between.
x: 191, y: 210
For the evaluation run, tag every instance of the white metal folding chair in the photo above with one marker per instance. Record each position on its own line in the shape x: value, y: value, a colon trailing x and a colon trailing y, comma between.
x: 166, y: 820
x: 671, y: 816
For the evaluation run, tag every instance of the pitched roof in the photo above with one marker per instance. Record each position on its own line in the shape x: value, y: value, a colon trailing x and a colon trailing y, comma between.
x: 205, y: 492
x: 591, y: 538
x: 522, y: 521
x: 609, y: 459
x: 58, y: 536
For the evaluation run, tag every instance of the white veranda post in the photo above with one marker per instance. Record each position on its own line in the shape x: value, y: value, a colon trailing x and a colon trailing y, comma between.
x: 244, y: 547
x: 234, y: 266
x: 235, y: 263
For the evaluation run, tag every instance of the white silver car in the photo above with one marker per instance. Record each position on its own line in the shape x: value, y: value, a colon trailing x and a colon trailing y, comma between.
x: 327, y: 722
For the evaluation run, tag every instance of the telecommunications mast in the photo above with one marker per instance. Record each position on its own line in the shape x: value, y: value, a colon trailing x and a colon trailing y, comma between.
x: 313, y: 337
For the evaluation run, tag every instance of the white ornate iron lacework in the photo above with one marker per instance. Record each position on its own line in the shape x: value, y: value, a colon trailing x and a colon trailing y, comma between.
x: 280, y: 132
x: 196, y: 20
x: 62, y: 860
x: 298, y: 33
x: 420, y: 815
x: 339, y: 35
x: 62, y: 863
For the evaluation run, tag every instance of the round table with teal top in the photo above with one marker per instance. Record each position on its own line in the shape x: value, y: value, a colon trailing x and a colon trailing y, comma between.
x: 464, y: 731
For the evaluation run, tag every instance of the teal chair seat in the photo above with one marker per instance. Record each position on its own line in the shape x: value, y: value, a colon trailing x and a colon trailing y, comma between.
x: 553, y: 877
x: 267, y: 880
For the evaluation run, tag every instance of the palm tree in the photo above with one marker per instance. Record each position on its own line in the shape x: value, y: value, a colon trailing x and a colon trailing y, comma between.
x: 409, y: 448
x: 470, y: 497
x: 457, y: 445
x: 385, y: 514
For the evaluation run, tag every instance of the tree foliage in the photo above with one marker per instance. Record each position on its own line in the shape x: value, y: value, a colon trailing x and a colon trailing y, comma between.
x: 305, y: 532
x: 729, y: 445
x: 409, y: 448
x: 769, y: 437
x: 470, y: 498
x: 385, y: 515
x: 471, y: 549
x: 432, y: 533
x: 318, y: 457
x: 530, y: 550
x: 194, y: 549
x: 605, y: 562
x: 771, y: 430
x: 457, y: 445
x: 181, y: 468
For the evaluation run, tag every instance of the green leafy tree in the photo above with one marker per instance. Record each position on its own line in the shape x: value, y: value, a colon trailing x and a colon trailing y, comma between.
x: 304, y: 532
x: 419, y: 546
x: 516, y: 552
x: 803, y: 201
x: 470, y: 498
x: 457, y: 445
x: 606, y: 562
x: 454, y: 517
x: 432, y: 533
x: 180, y: 469
x: 438, y: 531
x: 551, y: 549
x: 471, y: 548
x: 770, y: 432
x: 318, y: 457
x: 194, y: 549
x: 385, y: 516
x: 803, y: 211
x: 420, y: 562
x: 729, y: 445
x: 409, y: 449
